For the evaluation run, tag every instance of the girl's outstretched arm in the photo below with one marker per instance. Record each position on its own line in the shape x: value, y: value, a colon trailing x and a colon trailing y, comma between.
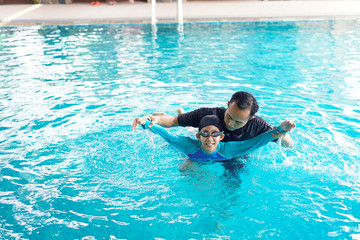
x: 237, y: 149
x: 182, y: 143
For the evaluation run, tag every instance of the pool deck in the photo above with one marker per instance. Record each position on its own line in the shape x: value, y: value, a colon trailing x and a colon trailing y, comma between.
x: 125, y: 12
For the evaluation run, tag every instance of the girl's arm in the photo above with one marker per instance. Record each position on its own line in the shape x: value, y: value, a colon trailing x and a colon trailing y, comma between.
x: 182, y: 143
x: 236, y: 149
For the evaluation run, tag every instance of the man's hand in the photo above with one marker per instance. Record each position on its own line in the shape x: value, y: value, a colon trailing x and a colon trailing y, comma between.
x: 157, y: 118
x: 287, y: 141
x: 141, y: 120
x: 288, y: 125
x: 277, y: 134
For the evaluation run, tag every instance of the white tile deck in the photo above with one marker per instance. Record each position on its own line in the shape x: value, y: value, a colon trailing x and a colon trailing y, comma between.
x: 166, y: 12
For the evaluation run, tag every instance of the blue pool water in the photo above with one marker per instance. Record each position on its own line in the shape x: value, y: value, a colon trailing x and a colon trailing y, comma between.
x: 71, y: 168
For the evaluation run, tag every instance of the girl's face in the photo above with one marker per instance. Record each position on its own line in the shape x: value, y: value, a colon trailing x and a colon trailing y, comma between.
x: 210, y: 136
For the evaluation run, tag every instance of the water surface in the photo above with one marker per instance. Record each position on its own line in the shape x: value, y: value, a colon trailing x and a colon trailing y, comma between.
x: 72, y: 169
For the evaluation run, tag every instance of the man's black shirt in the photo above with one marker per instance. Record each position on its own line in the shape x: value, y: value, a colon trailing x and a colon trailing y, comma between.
x: 252, y: 128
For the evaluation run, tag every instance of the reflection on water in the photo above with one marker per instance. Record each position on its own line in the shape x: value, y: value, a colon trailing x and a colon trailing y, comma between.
x: 70, y: 166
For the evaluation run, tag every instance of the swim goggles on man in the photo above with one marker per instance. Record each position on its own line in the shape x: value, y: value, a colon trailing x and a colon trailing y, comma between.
x: 207, y: 134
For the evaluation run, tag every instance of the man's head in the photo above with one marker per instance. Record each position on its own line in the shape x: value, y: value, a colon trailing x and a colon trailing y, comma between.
x: 210, y: 133
x: 241, y: 108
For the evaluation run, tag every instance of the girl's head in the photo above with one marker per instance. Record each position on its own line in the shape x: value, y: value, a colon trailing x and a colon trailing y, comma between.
x: 210, y: 133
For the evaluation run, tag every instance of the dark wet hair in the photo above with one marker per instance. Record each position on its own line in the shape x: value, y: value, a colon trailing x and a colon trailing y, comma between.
x: 210, y: 120
x: 244, y: 100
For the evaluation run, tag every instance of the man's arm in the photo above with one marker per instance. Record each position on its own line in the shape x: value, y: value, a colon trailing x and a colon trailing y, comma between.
x: 190, y: 119
x: 162, y: 120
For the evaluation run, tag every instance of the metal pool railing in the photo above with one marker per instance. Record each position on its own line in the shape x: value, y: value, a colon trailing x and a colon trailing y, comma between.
x: 180, y: 17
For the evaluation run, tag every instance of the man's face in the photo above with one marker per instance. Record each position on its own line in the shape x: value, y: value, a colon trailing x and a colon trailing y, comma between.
x: 236, y: 118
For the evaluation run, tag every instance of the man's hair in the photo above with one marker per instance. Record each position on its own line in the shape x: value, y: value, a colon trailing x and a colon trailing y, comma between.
x: 244, y: 100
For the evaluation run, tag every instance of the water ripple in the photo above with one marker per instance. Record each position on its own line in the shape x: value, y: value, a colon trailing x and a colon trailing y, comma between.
x: 70, y: 166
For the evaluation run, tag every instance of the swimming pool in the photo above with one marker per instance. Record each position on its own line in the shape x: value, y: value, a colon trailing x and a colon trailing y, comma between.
x: 72, y: 169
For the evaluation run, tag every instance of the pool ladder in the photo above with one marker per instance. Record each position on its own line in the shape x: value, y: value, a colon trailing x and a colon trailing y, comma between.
x: 180, y: 17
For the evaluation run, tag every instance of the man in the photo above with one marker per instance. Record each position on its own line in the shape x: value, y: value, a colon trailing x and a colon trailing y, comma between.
x: 238, y: 119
